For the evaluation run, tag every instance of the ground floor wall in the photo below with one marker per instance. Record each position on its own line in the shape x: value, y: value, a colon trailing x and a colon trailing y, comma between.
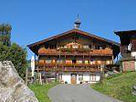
x: 78, y: 78
x: 129, y: 65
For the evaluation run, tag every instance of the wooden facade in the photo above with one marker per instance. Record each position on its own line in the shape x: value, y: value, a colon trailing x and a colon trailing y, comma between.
x: 74, y: 51
x: 128, y: 49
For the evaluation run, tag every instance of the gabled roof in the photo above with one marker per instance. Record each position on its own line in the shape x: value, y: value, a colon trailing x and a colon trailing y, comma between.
x: 35, y: 46
x: 74, y: 31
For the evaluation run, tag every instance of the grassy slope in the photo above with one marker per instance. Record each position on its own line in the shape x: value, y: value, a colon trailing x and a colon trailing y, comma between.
x: 118, y: 86
x: 41, y: 91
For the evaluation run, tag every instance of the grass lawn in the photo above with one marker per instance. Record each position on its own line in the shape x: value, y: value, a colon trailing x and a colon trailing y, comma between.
x: 42, y: 90
x: 119, y: 86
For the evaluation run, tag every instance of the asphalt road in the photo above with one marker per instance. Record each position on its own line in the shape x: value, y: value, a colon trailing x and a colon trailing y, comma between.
x: 77, y: 93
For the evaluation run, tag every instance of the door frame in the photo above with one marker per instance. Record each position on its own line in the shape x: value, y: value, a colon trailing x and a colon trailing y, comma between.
x: 74, y: 76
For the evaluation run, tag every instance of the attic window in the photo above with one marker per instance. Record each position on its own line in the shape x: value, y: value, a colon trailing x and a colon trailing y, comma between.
x: 85, y: 46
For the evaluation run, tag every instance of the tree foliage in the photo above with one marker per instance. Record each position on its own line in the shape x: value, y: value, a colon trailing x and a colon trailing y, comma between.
x: 17, y: 55
x: 5, y: 34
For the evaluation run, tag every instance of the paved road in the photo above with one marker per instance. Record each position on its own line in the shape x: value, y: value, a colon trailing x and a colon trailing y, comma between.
x: 77, y: 93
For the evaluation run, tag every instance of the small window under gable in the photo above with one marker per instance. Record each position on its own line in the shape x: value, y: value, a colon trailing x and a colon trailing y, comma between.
x: 85, y: 46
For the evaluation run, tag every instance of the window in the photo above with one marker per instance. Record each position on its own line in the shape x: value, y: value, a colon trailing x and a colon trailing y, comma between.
x: 98, y: 62
x: 92, y: 62
x: 75, y: 46
x: 90, y: 46
x: 98, y: 47
x: 86, y: 62
x: 80, y: 77
x: 79, y: 61
x: 108, y: 62
x: 93, y: 77
x: 59, y: 61
x: 48, y: 61
x: 73, y: 61
x: 85, y: 46
x: 69, y: 61
x: 65, y: 46
x: 53, y: 61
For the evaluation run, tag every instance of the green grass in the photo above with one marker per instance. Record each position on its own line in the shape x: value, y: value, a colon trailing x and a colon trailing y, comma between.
x: 42, y: 90
x: 118, y: 86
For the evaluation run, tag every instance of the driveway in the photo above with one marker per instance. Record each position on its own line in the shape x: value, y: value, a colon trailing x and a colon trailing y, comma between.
x: 77, y: 93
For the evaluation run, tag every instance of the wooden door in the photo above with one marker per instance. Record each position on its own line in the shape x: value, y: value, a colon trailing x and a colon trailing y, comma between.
x: 73, y: 78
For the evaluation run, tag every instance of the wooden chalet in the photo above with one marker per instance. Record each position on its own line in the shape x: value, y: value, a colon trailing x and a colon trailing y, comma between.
x: 75, y: 56
x: 128, y: 49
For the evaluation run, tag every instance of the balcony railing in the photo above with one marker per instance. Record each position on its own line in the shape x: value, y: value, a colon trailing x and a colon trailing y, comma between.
x: 68, y: 69
x: 43, y: 63
x: 66, y: 65
x: 95, y: 52
x: 74, y: 67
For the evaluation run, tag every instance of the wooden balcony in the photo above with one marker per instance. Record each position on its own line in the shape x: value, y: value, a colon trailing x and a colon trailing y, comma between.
x: 65, y: 67
x: 68, y: 69
x: 95, y: 52
x: 42, y: 63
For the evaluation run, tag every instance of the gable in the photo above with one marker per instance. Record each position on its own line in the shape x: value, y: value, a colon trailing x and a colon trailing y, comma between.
x: 77, y: 33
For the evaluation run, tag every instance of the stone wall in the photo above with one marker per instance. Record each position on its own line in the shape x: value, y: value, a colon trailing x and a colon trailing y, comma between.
x: 12, y: 87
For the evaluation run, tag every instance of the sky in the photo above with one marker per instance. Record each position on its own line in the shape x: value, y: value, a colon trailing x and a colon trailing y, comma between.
x: 34, y: 20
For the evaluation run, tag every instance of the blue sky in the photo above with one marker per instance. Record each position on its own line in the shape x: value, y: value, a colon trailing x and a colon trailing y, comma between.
x: 34, y: 20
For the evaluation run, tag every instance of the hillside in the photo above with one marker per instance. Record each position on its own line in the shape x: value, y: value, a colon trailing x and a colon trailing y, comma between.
x: 118, y: 86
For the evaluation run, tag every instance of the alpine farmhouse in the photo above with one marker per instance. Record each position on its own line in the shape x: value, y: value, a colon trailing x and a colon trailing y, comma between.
x: 75, y: 56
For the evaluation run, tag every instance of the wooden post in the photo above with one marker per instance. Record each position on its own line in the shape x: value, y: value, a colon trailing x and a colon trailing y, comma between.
x: 112, y: 59
x: 102, y: 73
x: 44, y: 72
x: 40, y: 77
x: 38, y: 68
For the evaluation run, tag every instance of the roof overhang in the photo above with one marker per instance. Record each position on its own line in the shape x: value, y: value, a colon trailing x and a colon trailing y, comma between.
x: 125, y: 36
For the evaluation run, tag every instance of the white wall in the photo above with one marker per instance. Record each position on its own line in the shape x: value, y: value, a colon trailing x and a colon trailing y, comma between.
x: 86, y: 77
x: 66, y: 77
x: 78, y: 82
x: 97, y: 77
x: 135, y: 65
x: 133, y: 54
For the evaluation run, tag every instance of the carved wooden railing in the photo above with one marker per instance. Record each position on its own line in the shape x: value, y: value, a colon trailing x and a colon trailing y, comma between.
x: 43, y: 63
x: 67, y: 65
x: 67, y: 69
x: 99, y: 52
